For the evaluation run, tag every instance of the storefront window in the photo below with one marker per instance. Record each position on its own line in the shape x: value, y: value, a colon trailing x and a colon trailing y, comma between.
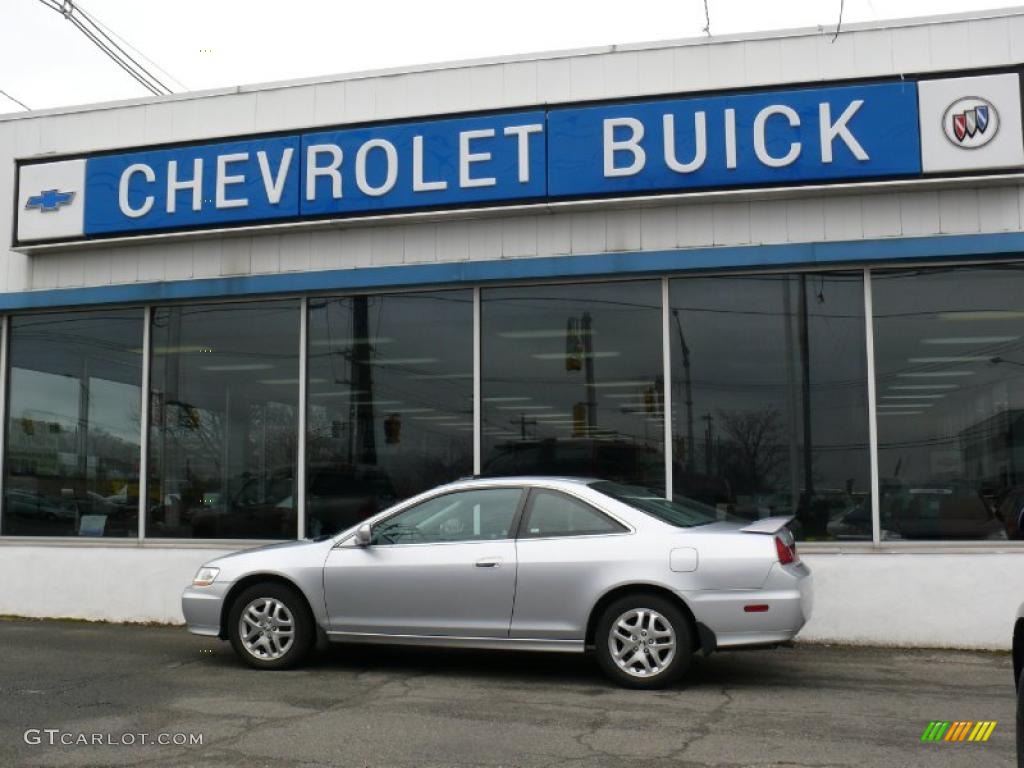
x: 73, y: 430
x: 224, y: 421
x: 390, y: 409
x: 572, y: 381
x: 769, y: 395
x: 949, y: 352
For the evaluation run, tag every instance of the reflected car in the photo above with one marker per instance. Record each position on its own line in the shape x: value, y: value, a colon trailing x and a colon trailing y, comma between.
x: 520, y: 563
x: 942, y: 511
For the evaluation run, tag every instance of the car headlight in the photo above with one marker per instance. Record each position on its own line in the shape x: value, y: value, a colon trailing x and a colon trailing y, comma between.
x: 205, y: 576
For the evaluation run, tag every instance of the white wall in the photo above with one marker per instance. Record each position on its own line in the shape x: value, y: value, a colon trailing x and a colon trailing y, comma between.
x: 956, y: 600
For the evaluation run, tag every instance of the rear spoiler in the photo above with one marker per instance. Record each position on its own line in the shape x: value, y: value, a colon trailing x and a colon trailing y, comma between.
x: 768, y: 525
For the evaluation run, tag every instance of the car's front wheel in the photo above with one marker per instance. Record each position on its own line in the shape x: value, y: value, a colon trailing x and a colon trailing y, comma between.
x: 643, y: 641
x: 270, y: 626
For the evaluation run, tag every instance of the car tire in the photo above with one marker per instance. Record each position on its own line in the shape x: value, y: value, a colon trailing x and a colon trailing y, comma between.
x: 1020, y: 722
x: 270, y: 626
x: 643, y: 641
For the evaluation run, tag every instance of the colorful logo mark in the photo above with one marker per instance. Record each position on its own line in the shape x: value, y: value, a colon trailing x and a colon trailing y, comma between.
x: 959, y: 730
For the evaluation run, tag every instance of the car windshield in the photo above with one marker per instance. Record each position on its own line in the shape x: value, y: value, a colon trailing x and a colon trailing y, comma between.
x: 680, y: 512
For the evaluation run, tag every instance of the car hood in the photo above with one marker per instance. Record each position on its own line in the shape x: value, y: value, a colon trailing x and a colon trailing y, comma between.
x: 281, y: 545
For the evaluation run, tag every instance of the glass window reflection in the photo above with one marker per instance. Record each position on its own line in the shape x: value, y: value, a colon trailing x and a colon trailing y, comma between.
x: 949, y: 351
x: 224, y: 421
x: 769, y: 393
x: 390, y: 409
x: 73, y: 431
x: 572, y: 381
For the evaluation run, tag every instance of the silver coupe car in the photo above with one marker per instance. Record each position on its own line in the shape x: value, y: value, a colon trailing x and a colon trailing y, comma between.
x: 523, y: 563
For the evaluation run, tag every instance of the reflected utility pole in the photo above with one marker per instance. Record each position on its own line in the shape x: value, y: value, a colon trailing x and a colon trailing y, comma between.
x: 361, y: 435
x: 805, y: 394
x: 586, y: 325
x: 688, y: 386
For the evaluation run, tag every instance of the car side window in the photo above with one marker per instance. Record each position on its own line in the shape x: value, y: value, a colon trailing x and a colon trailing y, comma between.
x: 551, y: 513
x: 471, y: 515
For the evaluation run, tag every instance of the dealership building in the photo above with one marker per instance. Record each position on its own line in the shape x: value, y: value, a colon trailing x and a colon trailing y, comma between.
x: 780, y: 274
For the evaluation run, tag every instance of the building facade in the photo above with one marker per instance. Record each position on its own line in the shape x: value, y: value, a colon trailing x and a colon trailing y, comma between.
x: 778, y: 274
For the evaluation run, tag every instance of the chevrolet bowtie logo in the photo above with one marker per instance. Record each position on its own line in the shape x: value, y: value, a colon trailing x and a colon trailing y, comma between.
x: 49, y: 200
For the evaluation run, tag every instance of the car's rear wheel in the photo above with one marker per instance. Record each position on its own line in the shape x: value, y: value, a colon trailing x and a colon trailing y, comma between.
x: 643, y: 641
x: 270, y: 626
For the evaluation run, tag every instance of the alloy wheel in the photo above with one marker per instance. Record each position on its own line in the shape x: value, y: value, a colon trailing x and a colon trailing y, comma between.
x: 266, y: 628
x: 642, y: 642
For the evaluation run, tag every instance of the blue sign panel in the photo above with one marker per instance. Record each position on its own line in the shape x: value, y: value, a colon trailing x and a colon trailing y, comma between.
x: 192, y: 186
x: 735, y: 140
x: 780, y: 137
x: 420, y: 165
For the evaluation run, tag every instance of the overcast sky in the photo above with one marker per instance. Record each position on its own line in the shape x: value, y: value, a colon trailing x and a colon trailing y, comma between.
x: 46, y: 62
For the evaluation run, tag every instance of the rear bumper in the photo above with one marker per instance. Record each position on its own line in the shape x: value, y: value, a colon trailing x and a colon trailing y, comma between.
x: 202, y: 608
x: 788, y: 592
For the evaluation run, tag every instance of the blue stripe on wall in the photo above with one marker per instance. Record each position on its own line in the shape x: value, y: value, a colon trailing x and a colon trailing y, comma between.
x: 474, y: 272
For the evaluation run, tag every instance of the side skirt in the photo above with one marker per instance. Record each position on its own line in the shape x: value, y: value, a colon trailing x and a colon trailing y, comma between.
x: 447, y: 641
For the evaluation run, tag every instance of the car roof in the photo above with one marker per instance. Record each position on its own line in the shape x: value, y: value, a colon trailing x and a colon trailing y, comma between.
x: 523, y: 480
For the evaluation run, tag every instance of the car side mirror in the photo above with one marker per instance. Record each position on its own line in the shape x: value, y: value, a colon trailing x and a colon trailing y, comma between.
x: 363, y: 535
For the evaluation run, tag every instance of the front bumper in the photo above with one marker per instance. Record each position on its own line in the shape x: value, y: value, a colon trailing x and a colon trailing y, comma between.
x: 788, y: 592
x: 202, y: 608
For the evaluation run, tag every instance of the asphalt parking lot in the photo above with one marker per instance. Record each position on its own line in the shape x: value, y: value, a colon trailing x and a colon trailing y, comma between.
x: 800, y: 706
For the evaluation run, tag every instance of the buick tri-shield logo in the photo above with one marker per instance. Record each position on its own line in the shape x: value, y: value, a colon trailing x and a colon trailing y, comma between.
x: 970, y: 122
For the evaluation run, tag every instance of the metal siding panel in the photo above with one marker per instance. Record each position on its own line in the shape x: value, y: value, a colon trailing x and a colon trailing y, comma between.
x: 295, y: 252
x: 658, y: 228
x: 768, y: 222
x: 872, y: 52
x: 453, y: 241
x: 554, y: 81
x: 330, y: 104
x: 731, y: 223
x: 958, y: 211
x: 623, y: 230
x: 843, y: 218
x: 588, y: 232
x: 799, y: 60
x: 655, y: 71
x: 179, y: 261
x: 387, y: 246
x: 236, y: 256
x: 919, y: 213
x: 554, y: 235
x: 949, y: 45
x: 694, y: 226
x: 519, y: 237
x: 206, y: 257
x: 763, y: 63
x: 520, y: 83
x: 911, y: 49
x: 998, y: 210
x: 989, y: 42
x: 692, y: 66
x: 285, y: 108
x: 805, y: 220
x: 727, y: 65
x: 266, y: 253
x: 420, y: 243
x: 621, y: 75
x: 484, y: 240
x: 880, y: 215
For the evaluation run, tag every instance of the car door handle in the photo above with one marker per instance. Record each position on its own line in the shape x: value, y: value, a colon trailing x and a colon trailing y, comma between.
x: 489, y: 562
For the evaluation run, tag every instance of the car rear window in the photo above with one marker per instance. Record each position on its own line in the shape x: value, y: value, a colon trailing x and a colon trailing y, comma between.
x: 680, y: 512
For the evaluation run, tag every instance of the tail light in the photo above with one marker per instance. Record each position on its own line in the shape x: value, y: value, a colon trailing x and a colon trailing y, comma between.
x: 787, y: 552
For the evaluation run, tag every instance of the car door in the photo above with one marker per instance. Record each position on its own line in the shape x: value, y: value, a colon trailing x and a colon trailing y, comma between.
x: 567, y: 551
x: 444, y: 567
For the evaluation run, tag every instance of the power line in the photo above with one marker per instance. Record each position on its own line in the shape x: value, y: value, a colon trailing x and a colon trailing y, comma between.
x: 839, y: 24
x: 92, y: 30
x: 19, y: 103
x: 97, y: 22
